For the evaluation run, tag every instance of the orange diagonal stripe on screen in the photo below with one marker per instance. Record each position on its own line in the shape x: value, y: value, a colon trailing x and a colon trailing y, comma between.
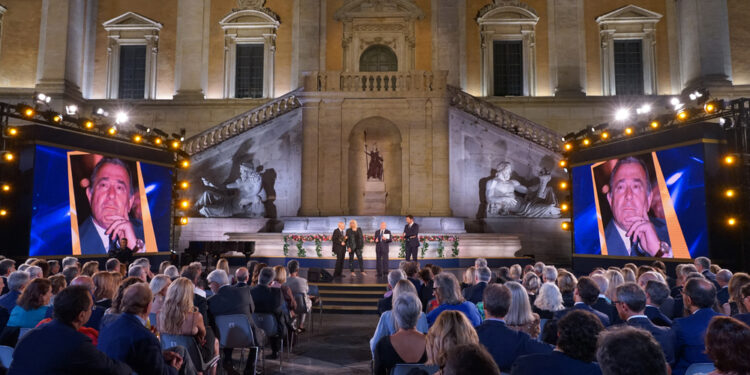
x: 148, y: 226
x: 679, y: 246
x: 602, y: 238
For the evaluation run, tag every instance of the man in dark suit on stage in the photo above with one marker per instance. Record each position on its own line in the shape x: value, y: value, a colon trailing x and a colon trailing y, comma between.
x: 383, y: 241
x: 631, y: 232
x: 338, y: 246
x: 631, y: 306
x: 411, y: 236
x: 689, y: 332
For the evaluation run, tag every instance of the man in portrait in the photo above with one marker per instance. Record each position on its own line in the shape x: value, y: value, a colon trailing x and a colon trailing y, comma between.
x: 632, y: 231
x: 110, y: 195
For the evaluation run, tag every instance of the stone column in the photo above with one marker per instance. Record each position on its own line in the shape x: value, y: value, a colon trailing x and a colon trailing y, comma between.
x: 190, y: 52
x: 448, y: 46
x: 567, y: 46
x: 310, y: 162
x: 704, y: 43
x: 436, y: 112
x: 305, y: 39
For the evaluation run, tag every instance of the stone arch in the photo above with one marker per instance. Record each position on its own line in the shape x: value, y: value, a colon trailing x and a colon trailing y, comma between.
x: 378, y: 58
x: 387, y: 136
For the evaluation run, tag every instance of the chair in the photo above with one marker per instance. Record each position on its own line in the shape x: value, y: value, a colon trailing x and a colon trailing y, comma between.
x: 188, y: 342
x: 403, y: 369
x: 292, y: 332
x: 314, y: 291
x: 542, y: 322
x: 700, y: 368
x: 235, y: 331
x: 269, y: 324
x: 6, y: 356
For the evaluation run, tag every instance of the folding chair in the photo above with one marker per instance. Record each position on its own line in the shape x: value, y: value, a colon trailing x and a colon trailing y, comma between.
x: 403, y: 369
x: 235, y: 332
x: 269, y: 324
x: 700, y: 369
x: 6, y: 356
x: 314, y: 291
x: 188, y: 342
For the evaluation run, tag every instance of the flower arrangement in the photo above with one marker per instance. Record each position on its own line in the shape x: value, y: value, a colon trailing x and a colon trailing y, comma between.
x: 402, y: 249
x: 454, y: 249
x: 425, y: 246
x: 286, y: 246
x: 440, y: 249
x: 318, y: 247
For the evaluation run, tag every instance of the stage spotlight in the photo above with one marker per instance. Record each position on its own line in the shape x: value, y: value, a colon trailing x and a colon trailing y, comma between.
x: 53, y: 117
x: 6, y: 188
x: 3, y: 212
x: 563, y: 185
x: 157, y: 141
x: 137, y: 138
x: 71, y: 110
x: 674, y: 101
x: 628, y: 131
x: 564, y: 207
x: 563, y: 163
x: 185, y: 163
x: 25, y: 110
x: 696, y: 94
x: 183, y: 220
x: 731, y: 221
x: 711, y: 107
x: 622, y: 114
x: 683, y: 115
x: 9, y: 156
x: 184, y: 204
x: 121, y: 117
x: 101, y: 112
x: 568, y: 146
x: 42, y: 98
x: 586, y: 142
x: 184, y: 185
x: 654, y: 124
x: 112, y: 130
x: 729, y: 193
x: 565, y: 225
x: 175, y: 144
x: 11, y: 132
x: 646, y: 108
x: 729, y: 160
x: 605, y: 136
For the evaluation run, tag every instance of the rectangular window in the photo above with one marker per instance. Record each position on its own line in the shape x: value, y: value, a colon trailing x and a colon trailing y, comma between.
x: 132, y: 72
x: 249, y: 71
x: 508, y: 68
x: 629, y: 67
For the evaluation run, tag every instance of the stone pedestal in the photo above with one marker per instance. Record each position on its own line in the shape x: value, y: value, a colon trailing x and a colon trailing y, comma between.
x: 374, y: 198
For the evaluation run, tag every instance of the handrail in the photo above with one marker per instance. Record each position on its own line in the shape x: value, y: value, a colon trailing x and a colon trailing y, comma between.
x: 367, y: 82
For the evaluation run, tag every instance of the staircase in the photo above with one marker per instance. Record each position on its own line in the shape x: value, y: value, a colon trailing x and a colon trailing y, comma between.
x: 350, y: 298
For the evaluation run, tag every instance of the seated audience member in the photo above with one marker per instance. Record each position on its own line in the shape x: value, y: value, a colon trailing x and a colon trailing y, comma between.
x: 33, y: 304
x: 628, y: 350
x: 604, y: 304
x: 549, y: 274
x: 503, y: 275
x: 548, y: 301
x: 163, y: 266
x: 407, y: 345
x: 384, y: 304
x: 703, y: 265
x: 299, y: 286
x: 567, y: 284
x: 193, y: 273
x: 268, y: 301
x: 17, y: 281
x: 480, y: 262
x: 70, y: 262
x: 172, y: 272
x: 242, y: 275
x: 614, y: 279
x: 127, y: 339
x: 531, y: 284
x: 448, y: 295
x: 575, y: 352
x: 628, y: 275
x: 470, y: 359
x: 504, y: 344
x: 145, y: 264
x: 722, y: 280
x: 745, y: 301
x: 727, y: 343
x: 35, y: 272
x: 278, y: 282
x: 58, y: 284
x: 450, y: 330
x: 105, y: 286
x: 688, y: 333
x: 428, y: 285
x: 90, y: 268
x: 515, y: 272
x: 98, y: 313
x: 159, y: 285
x: 66, y: 351
x: 520, y: 317
x: 179, y: 316
x: 41, y: 263
x: 114, y: 312
x: 469, y: 277
x: 138, y: 271
x: 656, y: 293
x: 387, y: 323
x: 539, y: 269
x: 54, y: 267
x: 7, y: 266
x: 474, y: 293
x: 256, y: 273
x: 585, y: 295
x: 112, y: 265
x: 229, y: 300
x: 735, y: 306
x: 411, y: 270
x: 630, y: 304
x: 223, y: 264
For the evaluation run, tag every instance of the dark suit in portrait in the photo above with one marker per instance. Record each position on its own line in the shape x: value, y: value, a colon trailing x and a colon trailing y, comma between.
x: 382, y: 245
x: 661, y: 334
x: 411, y: 232
x: 615, y: 245
x: 340, y: 250
x: 506, y: 345
x: 128, y: 340
x: 355, y: 242
x: 91, y: 242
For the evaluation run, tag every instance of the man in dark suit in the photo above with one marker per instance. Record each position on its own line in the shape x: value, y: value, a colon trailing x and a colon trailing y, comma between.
x: 603, y: 304
x: 722, y: 280
x: 229, y: 300
x: 630, y: 305
x: 17, y: 282
x: 585, y: 295
x: 504, y: 344
x: 111, y: 195
x: 575, y: 352
x: 631, y: 232
x: 338, y: 246
x: 411, y: 237
x: 58, y: 348
x: 7, y: 266
x: 656, y: 294
x: 703, y: 265
x: 386, y: 303
x: 689, y: 332
x: 127, y: 339
x: 242, y: 275
x: 383, y: 241
x: 474, y: 293
x: 268, y: 301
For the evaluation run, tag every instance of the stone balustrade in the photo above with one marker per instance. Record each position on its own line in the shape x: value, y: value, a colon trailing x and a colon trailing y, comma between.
x: 507, y: 120
x: 370, y: 82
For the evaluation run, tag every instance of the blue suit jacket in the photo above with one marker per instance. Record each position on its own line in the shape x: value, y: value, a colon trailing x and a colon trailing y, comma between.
x: 615, y: 246
x: 475, y: 293
x: 91, y: 243
x: 57, y: 348
x: 8, y: 301
x: 553, y: 363
x: 506, y: 345
x: 410, y: 232
x: 582, y: 306
x: 128, y: 340
x: 688, y: 335
x: 606, y: 308
x: 657, y: 317
x: 744, y: 318
x: 661, y: 334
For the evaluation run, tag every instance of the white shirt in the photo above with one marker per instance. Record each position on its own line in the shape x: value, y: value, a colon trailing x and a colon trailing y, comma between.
x: 637, y: 316
x: 199, y: 291
x: 102, y: 235
x: 625, y: 238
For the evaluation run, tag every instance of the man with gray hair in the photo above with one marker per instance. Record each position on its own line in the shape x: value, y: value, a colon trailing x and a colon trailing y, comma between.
x: 474, y: 293
x: 145, y: 264
x: 386, y: 303
x: 722, y: 291
x: 539, y: 268
x: 268, y: 301
x: 17, y: 282
x: 69, y: 261
x: 630, y: 305
x: 480, y: 262
x: 35, y: 272
x: 137, y: 271
x: 603, y: 304
x: 657, y: 293
x: 70, y: 273
x: 6, y: 267
x: 112, y: 265
x: 703, y: 265
x: 549, y: 274
x: 172, y: 272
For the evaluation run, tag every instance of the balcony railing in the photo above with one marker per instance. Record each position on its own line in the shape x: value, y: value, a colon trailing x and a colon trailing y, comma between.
x: 367, y: 82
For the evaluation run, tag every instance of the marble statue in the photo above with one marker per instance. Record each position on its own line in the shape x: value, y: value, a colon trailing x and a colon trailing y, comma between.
x: 537, y: 201
x: 244, y: 197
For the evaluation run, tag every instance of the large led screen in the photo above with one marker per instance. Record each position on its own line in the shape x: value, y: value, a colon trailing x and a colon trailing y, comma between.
x: 86, y: 204
x: 649, y: 205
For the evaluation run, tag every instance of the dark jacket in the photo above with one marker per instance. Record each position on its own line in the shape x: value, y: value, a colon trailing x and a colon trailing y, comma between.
x: 553, y: 363
x: 8, y: 300
x: 355, y: 239
x: 336, y: 239
x: 91, y: 243
x: 57, y: 348
x: 657, y: 317
x: 615, y: 246
x: 506, y: 345
x: 582, y: 306
x: 661, y: 334
x: 412, y: 235
x: 603, y: 306
x: 475, y: 292
x: 268, y: 301
x: 385, y: 304
x: 230, y: 301
x: 688, y: 334
x: 382, y: 244
x: 128, y: 340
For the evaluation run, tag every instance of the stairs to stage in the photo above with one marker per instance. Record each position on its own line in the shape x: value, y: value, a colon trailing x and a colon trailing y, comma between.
x: 347, y: 298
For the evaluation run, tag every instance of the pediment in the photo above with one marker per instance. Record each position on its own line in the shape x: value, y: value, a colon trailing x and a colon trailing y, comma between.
x: 131, y: 21
x: 379, y: 9
x: 250, y: 18
x: 629, y: 14
x: 507, y: 12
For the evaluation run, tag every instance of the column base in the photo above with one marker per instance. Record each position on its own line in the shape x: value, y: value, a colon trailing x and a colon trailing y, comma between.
x: 189, y: 95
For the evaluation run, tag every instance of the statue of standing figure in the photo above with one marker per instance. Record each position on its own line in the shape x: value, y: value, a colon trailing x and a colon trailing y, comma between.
x: 245, y: 197
x: 375, y: 165
x: 538, y: 200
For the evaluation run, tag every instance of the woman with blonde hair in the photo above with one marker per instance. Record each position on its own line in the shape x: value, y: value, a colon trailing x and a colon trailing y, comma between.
x: 468, y: 277
x: 223, y: 264
x: 106, y: 287
x: 90, y: 268
x: 178, y: 315
x: 158, y: 286
x: 278, y: 282
x: 567, y: 283
x: 451, y: 329
x: 615, y: 279
x: 628, y: 275
x: 519, y: 316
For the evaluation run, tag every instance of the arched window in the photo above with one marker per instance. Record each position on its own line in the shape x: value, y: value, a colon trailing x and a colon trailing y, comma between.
x: 378, y: 58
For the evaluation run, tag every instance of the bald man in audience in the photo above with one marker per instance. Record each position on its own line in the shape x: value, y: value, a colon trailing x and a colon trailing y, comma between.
x: 242, y: 275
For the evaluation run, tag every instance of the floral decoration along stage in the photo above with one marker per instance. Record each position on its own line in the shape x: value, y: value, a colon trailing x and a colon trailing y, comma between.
x: 299, y: 241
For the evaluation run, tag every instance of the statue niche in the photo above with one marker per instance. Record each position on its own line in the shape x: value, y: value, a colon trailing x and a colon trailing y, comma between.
x: 502, y: 199
x: 244, y: 197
